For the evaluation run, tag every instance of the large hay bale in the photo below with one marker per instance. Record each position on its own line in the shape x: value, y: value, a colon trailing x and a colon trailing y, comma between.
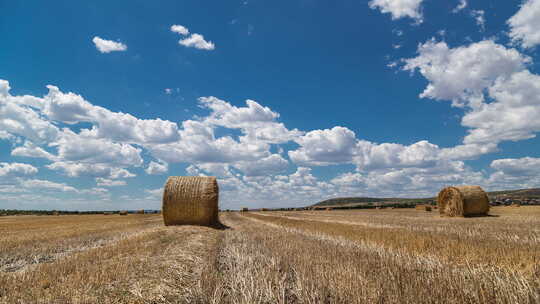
x: 463, y: 201
x: 140, y: 211
x: 123, y: 212
x: 190, y: 200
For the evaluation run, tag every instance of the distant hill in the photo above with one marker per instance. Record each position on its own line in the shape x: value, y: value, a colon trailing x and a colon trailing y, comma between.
x: 356, y: 201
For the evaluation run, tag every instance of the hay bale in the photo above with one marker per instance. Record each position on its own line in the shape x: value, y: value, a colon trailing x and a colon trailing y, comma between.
x: 190, y: 200
x: 328, y: 209
x: 463, y: 201
x: 123, y: 212
x: 515, y: 205
x: 423, y: 207
x: 140, y: 211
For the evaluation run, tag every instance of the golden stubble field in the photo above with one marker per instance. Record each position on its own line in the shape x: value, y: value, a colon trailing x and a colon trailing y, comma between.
x: 364, y: 256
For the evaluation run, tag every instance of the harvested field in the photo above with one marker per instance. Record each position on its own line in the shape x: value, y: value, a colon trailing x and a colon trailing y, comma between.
x: 352, y: 256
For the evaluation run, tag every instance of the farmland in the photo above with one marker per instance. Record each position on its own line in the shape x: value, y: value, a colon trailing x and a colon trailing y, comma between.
x: 352, y: 256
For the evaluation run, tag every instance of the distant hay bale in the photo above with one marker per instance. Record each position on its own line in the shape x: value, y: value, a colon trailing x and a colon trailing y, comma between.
x: 329, y: 209
x: 515, y: 205
x: 190, y: 200
x: 423, y: 207
x: 56, y: 213
x: 264, y: 209
x: 123, y: 212
x: 140, y: 211
x: 463, y: 201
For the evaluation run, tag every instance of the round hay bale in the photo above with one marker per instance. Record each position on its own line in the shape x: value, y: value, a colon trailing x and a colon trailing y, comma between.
x: 463, y: 201
x: 190, y: 200
x: 123, y: 212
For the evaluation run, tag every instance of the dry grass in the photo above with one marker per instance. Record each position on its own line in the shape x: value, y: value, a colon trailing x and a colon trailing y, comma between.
x: 368, y: 256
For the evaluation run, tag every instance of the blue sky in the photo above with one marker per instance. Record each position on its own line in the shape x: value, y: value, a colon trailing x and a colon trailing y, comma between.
x: 288, y: 102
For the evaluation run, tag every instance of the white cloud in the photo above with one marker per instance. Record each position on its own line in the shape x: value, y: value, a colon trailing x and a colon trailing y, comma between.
x: 155, y: 168
x: 31, y: 150
x: 521, y: 167
x: 525, y: 24
x: 461, y: 74
x: 16, y: 169
x: 462, y: 4
x: 399, y: 8
x: 197, y: 41
x: 81, y: 148
x: 77, y: 169
x: 107, y: 46
x: 39, y: 184
x: 272, y: 164
x: 325, y: 147
x: 104, y: 182
x: 180, y: 29
x: 489, y: 79
x: 71, y: 108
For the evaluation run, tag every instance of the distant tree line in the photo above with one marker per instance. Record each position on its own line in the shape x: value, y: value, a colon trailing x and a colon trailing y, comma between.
x: 6, y: 212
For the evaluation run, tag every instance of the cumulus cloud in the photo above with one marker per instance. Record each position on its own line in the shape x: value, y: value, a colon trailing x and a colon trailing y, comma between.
x: 492, y: 81
x: 194, y: 40
x: 155, y: 168
x: 78, y: 169
x: 525, y: 166
x: 197, y: 41
x: 325, y: 147
x: 71, y: 108
x: 107, y: 46
x: 180, y: 29
x: 272, y: 164
x: 31, y: 150
x: 16, y: 169
x: 399, y: 8
x: 525, y: 24
x: 461, y: 74
x: 105, y: 182
x: 40, y: 184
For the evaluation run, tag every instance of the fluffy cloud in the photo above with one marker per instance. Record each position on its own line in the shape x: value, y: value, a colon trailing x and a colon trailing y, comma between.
x: 526, y: 166
x: 31, y: 150
x: 77, y: 169
x: 76, y: 147
x: 155, y: 168
x: 104, y: 182
x: 71, y: 108
x: 461, y: 74
x: 197, y: 41
x: 489, y: 79
x: 399, y: 8
x: 107, y: 46
x: 39, y: 184
x: 272, y: 164
x: 180, y: 29
x: 525, y: 24
x: 16, y: 169
x: 19, y: 117
x: 325, y: 147
x: 258, y: 123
